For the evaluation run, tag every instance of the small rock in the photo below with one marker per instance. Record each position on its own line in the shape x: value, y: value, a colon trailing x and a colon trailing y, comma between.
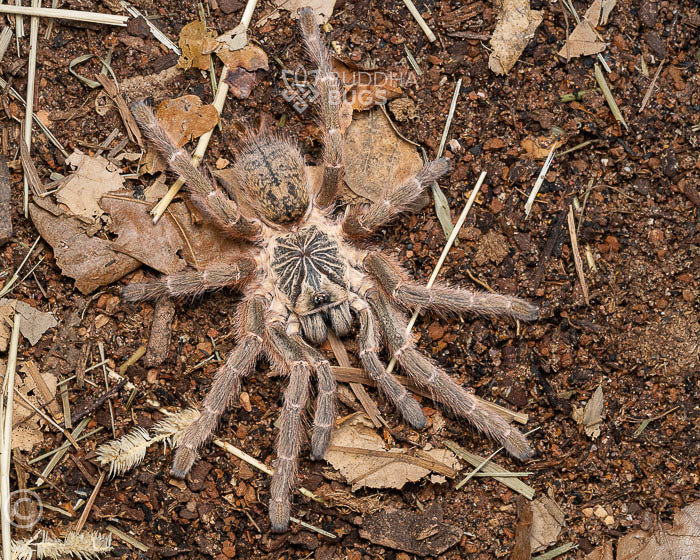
x: 656, y: 236
x: 230, y: 6
x: 609, y: 520
x: 649, y: 13
x: 588, y: 512
x: 655, y: 44
x: 138, y: 27
x: 494, y: 144
x: 669, y: 163
x: 600, y: 512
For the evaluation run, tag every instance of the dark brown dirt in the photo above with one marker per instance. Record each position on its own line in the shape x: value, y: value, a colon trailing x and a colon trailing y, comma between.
x: 638, y: 338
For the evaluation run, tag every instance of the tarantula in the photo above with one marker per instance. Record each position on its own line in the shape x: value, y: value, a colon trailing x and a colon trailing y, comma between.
x: 303, y: 276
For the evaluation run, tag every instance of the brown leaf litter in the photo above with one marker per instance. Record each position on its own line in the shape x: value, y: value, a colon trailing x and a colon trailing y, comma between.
x: 516, y: 26
x: 584, y: 39
x: 33, y: 325
x: 365, y: 88
x: 196, y: 43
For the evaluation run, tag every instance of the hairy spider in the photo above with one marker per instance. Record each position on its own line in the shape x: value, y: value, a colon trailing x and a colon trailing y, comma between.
x: 304, y: 275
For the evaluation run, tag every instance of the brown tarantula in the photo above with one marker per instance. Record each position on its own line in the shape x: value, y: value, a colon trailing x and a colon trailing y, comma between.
x: 303, y: 275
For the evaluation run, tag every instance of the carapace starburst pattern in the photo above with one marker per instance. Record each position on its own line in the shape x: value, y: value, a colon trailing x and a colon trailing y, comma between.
x: 308, y: 271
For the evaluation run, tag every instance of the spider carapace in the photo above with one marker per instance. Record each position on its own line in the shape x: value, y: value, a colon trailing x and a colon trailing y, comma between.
x: 306, y: 272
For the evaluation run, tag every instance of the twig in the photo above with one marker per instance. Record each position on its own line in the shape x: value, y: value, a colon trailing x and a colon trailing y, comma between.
x: 419, y: 19
x: 97, y: 403
x: 441, y: 260
x: 74, y: 15
x: 90, y: 502
x: 539, y: 181
x: 577, y: 256
x: 202, y: 144
x: 412, y: 61
x: 131, y: 360
x: 367, y: 403
x: 650, y: 89
x: 6, y: 402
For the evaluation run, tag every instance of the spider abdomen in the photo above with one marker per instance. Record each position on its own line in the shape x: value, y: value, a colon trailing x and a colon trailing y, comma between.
x: 271, y: 173
x: 312, y: 276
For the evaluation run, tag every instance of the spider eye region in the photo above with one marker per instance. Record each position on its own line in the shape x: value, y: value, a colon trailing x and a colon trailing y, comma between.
x: 308, y: 269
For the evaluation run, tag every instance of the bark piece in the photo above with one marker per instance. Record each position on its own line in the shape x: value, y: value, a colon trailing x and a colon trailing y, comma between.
x: 424, y: 535
x: 159, y: 341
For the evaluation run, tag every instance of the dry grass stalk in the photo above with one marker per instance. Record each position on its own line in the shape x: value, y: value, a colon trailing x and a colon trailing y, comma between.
x: 131, y: 360
x: 90, y: 502
x: 59, y: 453
x: 6, y: 407
x: 600, y: 78
x: 128, y: 539
x: 74, y: 15
x: 419, y: 19
x: 5, y: 38
x: 157, y: 33
x: 10, y: 283
x: 47, y: 418
x: 577, y: 255
x: 101, y: 348
x: 441, y: 260
x: 540, y: 180
x: 650, y: 89
x: 492, y: 469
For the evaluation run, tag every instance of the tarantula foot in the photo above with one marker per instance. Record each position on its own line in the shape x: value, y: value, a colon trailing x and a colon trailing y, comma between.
x: 413, y: 414
x: 517, y: 446
x: 524, y: 310
x: 134, y: 293
x: 184, y: 459
x: 319, y: 444
x: 279, y: 515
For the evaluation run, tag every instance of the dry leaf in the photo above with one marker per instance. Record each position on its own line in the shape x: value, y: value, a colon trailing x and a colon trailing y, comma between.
x: 186, y: 118
x: 375, y: 157
x: 250, y: 58
x: 680, y: 542
x: 584, y: 40
x: 155, y: 245
x: 539, y: 148
x: 34, y: 322
x: 365, y: 88
x: 516, y: 26
x: 547, y: 523
x: 363, y: 471
x: 593, y: 414
x: 322, y: 8
x: 241, y: 82
x: 234, y: 39
x: 89, y: 260
x: 94, y: 177
x: 196, y: 43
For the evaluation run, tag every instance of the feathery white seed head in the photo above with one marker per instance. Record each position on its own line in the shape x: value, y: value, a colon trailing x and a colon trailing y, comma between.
x: 124, y: 453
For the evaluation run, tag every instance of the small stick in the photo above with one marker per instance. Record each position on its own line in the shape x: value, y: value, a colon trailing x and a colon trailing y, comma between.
x: 93, y: 406
x: 650, y: 89
x: 539, y: 181
x: 419, y: 19
x: 577, y: 256
x: 367, y: 403
x: 441, y: 260
x: 74, y: 15
x: 127, y: 538
x: 6, y: 440
x: 90, y: 502
x: 131, y: 360
x: 202, y: 144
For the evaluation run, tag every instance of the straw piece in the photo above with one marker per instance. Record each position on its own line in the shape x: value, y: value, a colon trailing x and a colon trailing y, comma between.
x: 5, y: 38
x: 577, y: 255
x: 419, y: 19
x: 74, y: 15
x: 650, y: 89
x: 600, y: 78
x: 128, y: 539
x: 540, y: 180
x: 441, y: 260
x: 90, y: 502
x: 556, y: 552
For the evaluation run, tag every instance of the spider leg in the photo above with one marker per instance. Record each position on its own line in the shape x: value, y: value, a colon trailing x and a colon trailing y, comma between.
x: 426, y: 373
x: 330, y: 103
x: 191, y: 282
x: 227, y: 384
x: 286, y: 353
x: 361, y: 221
x: 368, y: 341
x: 394, y: 281
x: 211, y: 201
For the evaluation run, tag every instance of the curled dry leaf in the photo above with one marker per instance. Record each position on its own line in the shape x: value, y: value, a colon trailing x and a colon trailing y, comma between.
x: 94, y: 177
x: 34, y: 322
x: 592, y: 415
x: 375, y: 157
x: 367, y: 471
x: 196, y: 44
x: 322, y: 8
x: 516, y: 26
x: 91, y: 261
x: 365, y: 88
x: 584, y: 40
x: 250, y: 58
x: 547, y: 523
